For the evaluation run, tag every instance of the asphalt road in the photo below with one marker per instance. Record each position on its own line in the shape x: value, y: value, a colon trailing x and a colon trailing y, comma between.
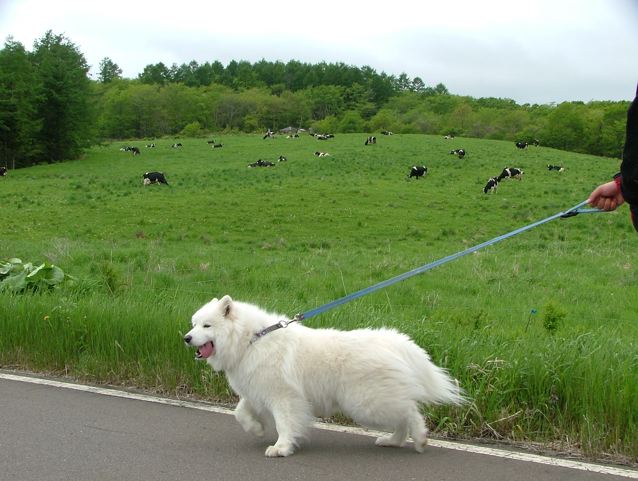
x: 50, y: 433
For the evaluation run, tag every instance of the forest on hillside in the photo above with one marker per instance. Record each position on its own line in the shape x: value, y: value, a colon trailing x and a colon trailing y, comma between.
x: 51, y: 109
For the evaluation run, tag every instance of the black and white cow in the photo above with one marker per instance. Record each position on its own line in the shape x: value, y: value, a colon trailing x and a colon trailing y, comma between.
x: 282, y: 159
x: 386, y: 132
x: 323, y: 136
x: 150, y: 146
x: 149, y: 178
x: 177, y: 145
x: 521, y: 145
x: 559, y: 168
x: 459, y: 152
x: 371, y: 140
x: 491, y: 185
x: 217, y: 146
x: 418, y: 171
x: 511, y: 173
x: 269, y: 134
x: 135, y: 150
x: 3, y: 171
x: 212, y: 141
x: 448, y: 137
x: 261, y: 163
x: 322, y: 154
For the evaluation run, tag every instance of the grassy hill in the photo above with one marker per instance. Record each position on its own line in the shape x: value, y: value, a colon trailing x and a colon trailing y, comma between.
x: 540, y: 329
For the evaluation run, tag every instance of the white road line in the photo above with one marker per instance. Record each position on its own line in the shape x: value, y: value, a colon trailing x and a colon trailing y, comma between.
x: 500, y: 453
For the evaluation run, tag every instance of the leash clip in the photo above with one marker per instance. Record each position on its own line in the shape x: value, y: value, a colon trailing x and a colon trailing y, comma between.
x: 569, y: 214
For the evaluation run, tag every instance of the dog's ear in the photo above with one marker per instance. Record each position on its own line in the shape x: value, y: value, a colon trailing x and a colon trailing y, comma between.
x: 225, y: 304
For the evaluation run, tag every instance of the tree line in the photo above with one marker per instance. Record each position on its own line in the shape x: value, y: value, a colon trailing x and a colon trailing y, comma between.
x: 50, y: 108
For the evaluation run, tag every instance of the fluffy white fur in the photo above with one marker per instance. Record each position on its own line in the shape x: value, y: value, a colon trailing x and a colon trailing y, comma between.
x: 377, y: 377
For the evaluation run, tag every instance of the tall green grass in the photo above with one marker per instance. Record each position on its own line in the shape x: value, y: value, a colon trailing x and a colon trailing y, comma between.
x: 540, y: 330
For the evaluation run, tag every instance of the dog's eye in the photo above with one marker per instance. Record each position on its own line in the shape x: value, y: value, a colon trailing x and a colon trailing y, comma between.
x: 206, y: 325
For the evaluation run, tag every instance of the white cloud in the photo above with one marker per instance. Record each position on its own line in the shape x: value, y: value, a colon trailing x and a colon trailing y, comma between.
x: 539, y: 51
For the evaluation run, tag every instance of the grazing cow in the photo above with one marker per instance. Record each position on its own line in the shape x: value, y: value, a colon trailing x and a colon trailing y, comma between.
x: 491, y: 185
x: 459, y: 152
x: 269, y: 135
x: 418, y: 171
x: 154, y: 178
x: 217, y: 146
x: 521, y: 145
x: 386, y: 132
x: 150, y: 146
x: 126, y: 149
x: 448, y: 137
x: 3, y: 171
x: 322, y: 154
x: 536, y: 143
x: 135, y: 150
x: 371, y: 140
x: 282, y: 158
x: 261, y: 163
x: 511, y: 173
x: 177, y: 145
x: 559, y: 168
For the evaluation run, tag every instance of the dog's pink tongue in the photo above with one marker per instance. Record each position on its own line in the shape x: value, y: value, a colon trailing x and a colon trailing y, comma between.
x: 206, y: 350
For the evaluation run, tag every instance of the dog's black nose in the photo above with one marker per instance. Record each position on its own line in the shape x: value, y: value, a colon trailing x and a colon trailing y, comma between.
x: 187, y: 339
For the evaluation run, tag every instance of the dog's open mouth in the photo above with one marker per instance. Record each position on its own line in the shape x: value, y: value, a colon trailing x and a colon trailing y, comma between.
x: 205, y: 351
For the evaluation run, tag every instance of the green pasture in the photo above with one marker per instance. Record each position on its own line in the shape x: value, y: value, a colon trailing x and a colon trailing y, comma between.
x: 540, y: 330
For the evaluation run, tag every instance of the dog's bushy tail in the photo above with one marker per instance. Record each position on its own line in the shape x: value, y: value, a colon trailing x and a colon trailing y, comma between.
x: 436, y: 385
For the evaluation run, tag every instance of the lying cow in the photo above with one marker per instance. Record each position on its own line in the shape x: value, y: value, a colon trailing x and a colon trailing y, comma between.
x: 154, y: 178
x: 261, y: 163
x: 322, y: 154
x: 323, y: 136
x: 521, y: 145
x: 459, y: 152
x: 282, y: 158
x: 418, y: 171
x: 559, y: 168
x: 371, y: 140
x: 386, y: 132
x: 511, y: 173
x: 491, y: 185
x: 177, y: 145
x: 3, y: 171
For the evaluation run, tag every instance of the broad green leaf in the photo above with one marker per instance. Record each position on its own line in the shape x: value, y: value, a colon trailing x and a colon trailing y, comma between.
x: 14, y: 283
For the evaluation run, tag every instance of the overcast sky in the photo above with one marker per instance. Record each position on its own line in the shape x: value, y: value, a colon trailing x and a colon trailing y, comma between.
x: 535, y: 51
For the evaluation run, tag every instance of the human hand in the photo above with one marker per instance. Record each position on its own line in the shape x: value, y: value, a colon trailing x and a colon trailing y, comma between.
x: 606, y: 196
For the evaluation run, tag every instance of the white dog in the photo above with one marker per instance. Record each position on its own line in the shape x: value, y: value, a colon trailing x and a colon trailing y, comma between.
x: 376, y: 377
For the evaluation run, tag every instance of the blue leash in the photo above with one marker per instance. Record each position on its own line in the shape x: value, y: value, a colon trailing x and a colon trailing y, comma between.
x: 419, y: 270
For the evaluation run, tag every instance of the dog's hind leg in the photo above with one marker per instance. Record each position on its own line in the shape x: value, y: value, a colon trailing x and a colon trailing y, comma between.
x: 413, y: 424
x: 394, y: 440
x: 418, y: 431
x: 246, y: 416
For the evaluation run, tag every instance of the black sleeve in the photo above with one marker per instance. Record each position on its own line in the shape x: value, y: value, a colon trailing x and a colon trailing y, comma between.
x: 629, y: 166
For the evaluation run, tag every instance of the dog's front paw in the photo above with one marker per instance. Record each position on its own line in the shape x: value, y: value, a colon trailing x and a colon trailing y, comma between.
x: 252, y: 426
x: 279, y: 450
